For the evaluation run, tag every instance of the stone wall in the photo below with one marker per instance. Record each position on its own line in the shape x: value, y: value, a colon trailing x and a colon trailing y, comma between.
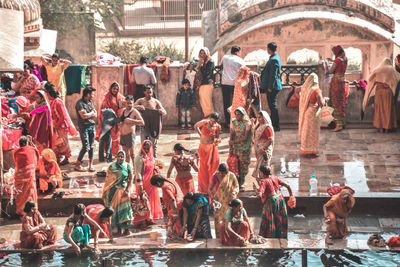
x: 103, y: 76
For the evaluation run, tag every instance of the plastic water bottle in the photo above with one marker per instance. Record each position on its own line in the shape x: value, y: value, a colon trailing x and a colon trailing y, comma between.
x: 313, y: 185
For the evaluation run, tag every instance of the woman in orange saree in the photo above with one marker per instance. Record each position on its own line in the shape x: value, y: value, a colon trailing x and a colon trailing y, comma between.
x: 209, y: 130
x: 49, y: 171
x: 310, y: 104
x: 240, y: 91
x: 336, y: 210
x: 145, y: 168
x: 26, y: 159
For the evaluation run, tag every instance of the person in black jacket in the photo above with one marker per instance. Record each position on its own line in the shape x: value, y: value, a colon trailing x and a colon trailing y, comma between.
x: 206, y: 68
x: 185, y: 101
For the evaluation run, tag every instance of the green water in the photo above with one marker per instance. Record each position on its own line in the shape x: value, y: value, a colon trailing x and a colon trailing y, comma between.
x: 205, y: 258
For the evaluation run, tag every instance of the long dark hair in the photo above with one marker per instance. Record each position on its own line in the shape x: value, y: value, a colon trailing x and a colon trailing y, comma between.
x: 29, y: 206
x: 180, y: 147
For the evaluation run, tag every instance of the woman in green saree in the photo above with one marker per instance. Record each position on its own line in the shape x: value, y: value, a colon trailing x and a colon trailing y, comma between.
x: 116, y: 193
x: 240, y: 143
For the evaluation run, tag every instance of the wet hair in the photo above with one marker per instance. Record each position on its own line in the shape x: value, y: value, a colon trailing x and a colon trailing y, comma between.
x: 179, y: 147
x: 88, y: 89
x: 235, y: 203
x: 235, y: 49
x: 28, y: 206
x: 107, y: 212
x: 79, y: 208
x: 55, y: 55
x: 157, y: 178
x: 192, y: 196
x: 272, y: 46
x: 223, y: 167
x: 23, y: 141
x: 143, y: 59
x: 265, y: 170
x: 214, y: 116
x: 185, y: 81
x: 148, y: 86
x: 129, y: 98
x: 30, y: 63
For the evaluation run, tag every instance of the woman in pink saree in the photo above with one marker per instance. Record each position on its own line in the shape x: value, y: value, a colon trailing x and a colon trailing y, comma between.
x: 145, y: 168
x: 311, y: 101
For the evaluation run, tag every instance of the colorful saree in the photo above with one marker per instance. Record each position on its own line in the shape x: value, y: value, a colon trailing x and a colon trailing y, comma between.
x: 114, y: 194
x: 63, y: 126
x: 242, y: 150
x: 309, y: 116
x: 26, y: 160
x: 170, y: 193
x: 209, y: 159
x: 238, y: 225
x: 144, y: 169
x: 274, y: 220
x: 38, y: 239
x: 262, y: 134
x: 338, y: 94
x: 49, y: 168
x: 30, y: 86
x: 93, y: 212
x: 338, y: 211
x: 204, y: 227
x: 227, y: 190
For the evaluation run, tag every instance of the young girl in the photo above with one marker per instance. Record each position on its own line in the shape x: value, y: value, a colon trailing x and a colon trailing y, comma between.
x: 183, y: 165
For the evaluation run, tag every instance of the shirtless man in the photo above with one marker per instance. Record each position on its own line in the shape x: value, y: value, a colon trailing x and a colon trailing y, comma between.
x: 149, y: 103
x: 129, y: 118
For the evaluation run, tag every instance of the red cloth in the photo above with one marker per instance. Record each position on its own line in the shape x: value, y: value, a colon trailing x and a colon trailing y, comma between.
x: 228, y: 239
x: 38, y: 239
x: 394, y: 241
x: 26, y: 159
x: 333, y: 190
x: 186, y: 184
x: 233, y: 164
x: 61, y: 118
x: 11, y: 138
x: 130, y: 87
x: 170, y: 192
x: 41, y: 127
x: 92, y: 211
x: 268, y: 133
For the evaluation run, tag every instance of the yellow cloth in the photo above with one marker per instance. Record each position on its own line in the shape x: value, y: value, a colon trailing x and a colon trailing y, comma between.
x: 205, y: 97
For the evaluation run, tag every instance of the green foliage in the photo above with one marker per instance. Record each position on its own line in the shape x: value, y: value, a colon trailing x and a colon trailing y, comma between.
x: 354, y: 66
x: 69, y: 15
x: 131, y: 51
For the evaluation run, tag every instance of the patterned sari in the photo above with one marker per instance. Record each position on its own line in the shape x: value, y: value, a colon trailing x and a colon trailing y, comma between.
x: 338, y: 95
x: 309, y: 116
x: 114, y: 194
x: 242, y: 150
x: 227, y: 190
x: 144, y: 169
x: 261, y: 138
x: 274, y: 223
x: 204, y: 227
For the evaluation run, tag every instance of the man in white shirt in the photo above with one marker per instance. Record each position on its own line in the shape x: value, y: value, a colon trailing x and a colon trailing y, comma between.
x: 230, y: 67
x: 142, y: 76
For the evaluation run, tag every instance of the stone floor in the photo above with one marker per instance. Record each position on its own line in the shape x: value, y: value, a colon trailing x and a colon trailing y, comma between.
x: 361, y: 158
x: 304, y: 232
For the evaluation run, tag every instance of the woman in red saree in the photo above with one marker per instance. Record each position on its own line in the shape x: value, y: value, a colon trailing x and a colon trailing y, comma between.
x: 171, y: 197
x: 311, y: 102
x: 112, y: 100
x: 145, y: 168
x: 209, y: 130
x: 102, y: 216
x: 41, y: 126
x: 35, y: 232
x: 240, y: 91
x: 26, y: 159
x: 336, y: 210
x: 338, y: 94
x: 49, y: 171
x: 235, y: 229
x: 62, y: 123
x: 29, y: 84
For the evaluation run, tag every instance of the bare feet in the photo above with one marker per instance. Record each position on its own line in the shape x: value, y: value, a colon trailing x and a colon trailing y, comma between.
x: 337, y: 129
x: 328, y: 240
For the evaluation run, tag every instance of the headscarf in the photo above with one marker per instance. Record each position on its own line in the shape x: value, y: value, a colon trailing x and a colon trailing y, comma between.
x: 49, y: 156
x: 22, y: 101
x: 305, y: 95
x: 337, y: 205
x: 337, y: 50
x: 384, y: 73
x: 267, y: 118
x: 149, y: 156
x: 244, y: 113
x: 120, y: 165
x: 207, y: 52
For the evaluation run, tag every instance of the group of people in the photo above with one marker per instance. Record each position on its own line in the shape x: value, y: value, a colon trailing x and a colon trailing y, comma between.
x: 131, y: 189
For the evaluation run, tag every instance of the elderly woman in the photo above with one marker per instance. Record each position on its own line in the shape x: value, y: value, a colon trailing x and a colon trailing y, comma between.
x: 116, y: 193
x: 205, y: 77
x: 240, y: 142
x: 235, y: 229
x: 336, y: 211
x: 209, y: 130
x: 274, y: 220
x: 311, y: 102
x: 226, y: 188
x: 263, y: 141
x: 171, y: 195
x: 195, y: 217
x: 382, y: 83
x: 338, y: 94
x: 35, y: 232
x: 29, y: 84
